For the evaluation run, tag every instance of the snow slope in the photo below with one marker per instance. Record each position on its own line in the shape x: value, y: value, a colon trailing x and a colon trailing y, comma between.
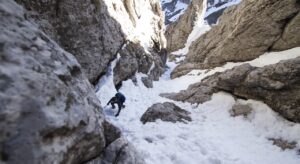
x: 212, y: 137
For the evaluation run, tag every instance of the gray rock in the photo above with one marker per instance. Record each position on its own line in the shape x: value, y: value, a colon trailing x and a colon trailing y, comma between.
x: 277, y: 85
x: 134, y: 59
x: 83, y: 28
x: 166, y: 112
x: 88, y: 30
x: 283, y: 144
x: 240, y: 109
x: 147, y: 82
x: 111, y: 133
x: 171, y: 10
x: 119, y: 152
x: 177, y: 32
x: 240, y: 36
x: 49, y: 112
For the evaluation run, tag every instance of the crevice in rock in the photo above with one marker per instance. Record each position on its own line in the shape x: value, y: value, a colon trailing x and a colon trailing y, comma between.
x: 57, y: 7
x: 109, y: 63
x: 119, y: 153
x: 232, y: 93
x: 97, y: 4
x: 3, y: 156
x: 285, y: 23
x: 64, y: 131
x: 135, y: 8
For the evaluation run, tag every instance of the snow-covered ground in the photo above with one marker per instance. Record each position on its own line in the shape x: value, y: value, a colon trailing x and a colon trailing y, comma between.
x: 213, y: 136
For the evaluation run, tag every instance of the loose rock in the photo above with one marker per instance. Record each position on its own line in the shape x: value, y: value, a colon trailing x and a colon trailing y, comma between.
x: 166, y: 112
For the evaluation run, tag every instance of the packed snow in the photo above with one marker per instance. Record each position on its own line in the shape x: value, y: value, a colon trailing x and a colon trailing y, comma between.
x: 213, y: 136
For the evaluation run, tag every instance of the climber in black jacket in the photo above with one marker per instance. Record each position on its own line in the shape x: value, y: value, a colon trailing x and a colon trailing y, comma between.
x: 119, y: 99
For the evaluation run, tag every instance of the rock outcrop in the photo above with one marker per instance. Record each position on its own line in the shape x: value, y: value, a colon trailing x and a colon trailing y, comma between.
x: 278, y: 85
x: 173, y: 9
x: 215, y: 9
x: 95, y: 31
x: 177, y: 32
x: 166, y: 112
x: 245, y: 32
x: 147, y: 82
x: 283, y: 144
x: 134, y: 59
x: 119, y: 152
x: 49, y: 112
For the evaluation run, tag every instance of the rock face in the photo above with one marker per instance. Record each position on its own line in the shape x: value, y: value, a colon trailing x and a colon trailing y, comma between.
x: 173, y: 9
x: 119, y: 152
x: 95, y: 31
x: 241, y: 36
x: 49, y: 112
x: 135, y: 59
x: 166, y: 112
x: 177, y: 33
x: 277, y: 85
x: 215, y: 9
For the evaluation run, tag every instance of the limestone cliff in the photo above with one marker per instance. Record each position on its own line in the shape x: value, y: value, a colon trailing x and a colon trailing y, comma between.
x: 95, y: 31
x: 177, y: 33
x: 244, y: 32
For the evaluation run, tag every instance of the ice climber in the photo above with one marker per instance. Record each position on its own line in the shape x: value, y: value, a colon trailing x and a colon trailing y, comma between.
x: 118, y: 99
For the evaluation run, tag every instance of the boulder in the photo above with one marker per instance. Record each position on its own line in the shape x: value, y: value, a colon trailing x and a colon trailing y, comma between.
x: 283, y: 144
x: 166, y: 112
x: 147, y: 82
x: 240, y: 109
x: 118, y: 152
x: 49, y: 111
x: 278, y: 85
x: 245, y: 31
